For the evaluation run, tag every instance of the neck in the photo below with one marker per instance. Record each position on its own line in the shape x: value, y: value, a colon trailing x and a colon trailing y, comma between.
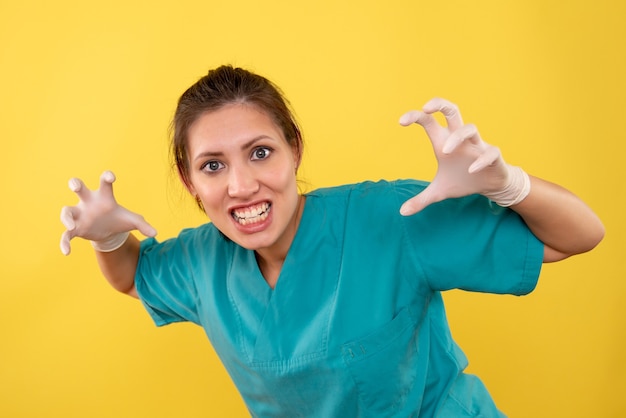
x: 270, y: 270
x: 270, y: 260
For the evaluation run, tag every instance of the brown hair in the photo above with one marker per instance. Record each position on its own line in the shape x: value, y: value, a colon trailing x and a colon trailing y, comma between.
x: 223, y: 86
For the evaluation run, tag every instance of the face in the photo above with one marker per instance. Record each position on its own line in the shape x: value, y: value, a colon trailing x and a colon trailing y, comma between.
x: 244, y: 172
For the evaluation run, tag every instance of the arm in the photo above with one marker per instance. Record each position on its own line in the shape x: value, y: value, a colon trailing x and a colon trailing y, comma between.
x: 563, y: 222
x: 467, y: 165
x: 98, y: 218
x: 119, y: 266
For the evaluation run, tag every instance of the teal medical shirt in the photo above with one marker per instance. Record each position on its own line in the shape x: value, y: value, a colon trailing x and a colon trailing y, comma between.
x: 355, y: 326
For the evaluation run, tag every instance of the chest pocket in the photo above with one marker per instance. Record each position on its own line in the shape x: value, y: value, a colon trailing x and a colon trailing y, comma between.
x: 384, y: 365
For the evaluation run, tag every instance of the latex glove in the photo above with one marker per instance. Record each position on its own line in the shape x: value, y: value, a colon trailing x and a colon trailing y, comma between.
x: 466, y: 164
x: 97, y: 217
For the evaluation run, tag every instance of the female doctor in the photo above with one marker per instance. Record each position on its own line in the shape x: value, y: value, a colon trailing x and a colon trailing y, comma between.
x: 328, y: 304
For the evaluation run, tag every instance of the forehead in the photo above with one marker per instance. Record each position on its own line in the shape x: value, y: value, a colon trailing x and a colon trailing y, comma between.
x: 233, y: 116
x: 235, y: 122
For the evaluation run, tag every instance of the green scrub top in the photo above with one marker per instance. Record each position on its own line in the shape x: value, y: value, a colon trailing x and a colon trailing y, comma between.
x: 355, y: 326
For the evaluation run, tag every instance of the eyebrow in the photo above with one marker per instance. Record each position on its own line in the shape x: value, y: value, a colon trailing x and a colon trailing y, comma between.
x: 245, y: 146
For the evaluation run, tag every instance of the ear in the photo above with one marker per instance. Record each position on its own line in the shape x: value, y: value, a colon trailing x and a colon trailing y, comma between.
x: 187, y: 183
x: 296, y: 149
x: 191, y: 190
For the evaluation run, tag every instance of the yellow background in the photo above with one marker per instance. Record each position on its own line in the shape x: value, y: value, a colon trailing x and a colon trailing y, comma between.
x: 87, y: 86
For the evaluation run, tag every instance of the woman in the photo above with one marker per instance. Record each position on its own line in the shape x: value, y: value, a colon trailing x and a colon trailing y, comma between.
x: 328, y: 304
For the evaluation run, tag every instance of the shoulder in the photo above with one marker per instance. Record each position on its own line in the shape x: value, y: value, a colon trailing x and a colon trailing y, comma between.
x: 202, y: 232
x: 371, y: 189
x: 188, y: 241
x: 365, y: 201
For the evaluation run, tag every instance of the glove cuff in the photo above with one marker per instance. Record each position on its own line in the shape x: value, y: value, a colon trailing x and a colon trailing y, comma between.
x: 516, y: 191
x: 111, y: 244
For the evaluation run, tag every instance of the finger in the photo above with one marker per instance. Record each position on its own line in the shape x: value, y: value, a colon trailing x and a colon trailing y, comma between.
x: 78, y: 187
x: 467, y: 132
x: 106, y: 183
x: 420, y: 201
x: 139, y: 223
x: 65, y: 242
x: 486, y: 159
x: 68, y: 217
x: 146, y: 229
x: 449, y: 110
x: 416, y: 116
x: 428, y: 122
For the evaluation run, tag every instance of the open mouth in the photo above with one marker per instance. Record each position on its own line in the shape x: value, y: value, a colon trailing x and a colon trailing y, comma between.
x: 252, y: 214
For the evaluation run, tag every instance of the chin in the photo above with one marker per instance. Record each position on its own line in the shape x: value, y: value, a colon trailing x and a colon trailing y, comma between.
x: 249, y: 243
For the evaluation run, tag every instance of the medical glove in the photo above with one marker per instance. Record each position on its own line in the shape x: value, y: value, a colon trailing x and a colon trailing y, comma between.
x: 466, y: 164
x: 98, y: 218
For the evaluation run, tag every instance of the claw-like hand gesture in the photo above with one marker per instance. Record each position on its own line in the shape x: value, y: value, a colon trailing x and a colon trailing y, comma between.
x: 97, y: 217
x: 466, y: 164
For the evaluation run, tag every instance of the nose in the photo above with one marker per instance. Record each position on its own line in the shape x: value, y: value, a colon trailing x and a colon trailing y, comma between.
x: 242, y: 182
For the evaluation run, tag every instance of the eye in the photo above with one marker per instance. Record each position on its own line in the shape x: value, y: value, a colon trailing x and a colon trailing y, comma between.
x: 211, y: 166
x: 261, y: 153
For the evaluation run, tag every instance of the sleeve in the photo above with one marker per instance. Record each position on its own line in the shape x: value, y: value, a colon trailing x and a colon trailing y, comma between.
x: 472, y: 244
x: 165, y: 281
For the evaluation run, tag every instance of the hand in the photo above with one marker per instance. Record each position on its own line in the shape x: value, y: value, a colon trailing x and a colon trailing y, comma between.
x: 97, y: 217
x: 466, y: 164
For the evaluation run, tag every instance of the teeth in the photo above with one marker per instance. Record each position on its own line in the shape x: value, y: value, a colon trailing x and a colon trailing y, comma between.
x: 252, y: 214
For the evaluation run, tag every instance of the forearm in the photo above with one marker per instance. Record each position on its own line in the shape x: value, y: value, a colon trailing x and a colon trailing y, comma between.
x: 563, y: 222
x: 119, y: 266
